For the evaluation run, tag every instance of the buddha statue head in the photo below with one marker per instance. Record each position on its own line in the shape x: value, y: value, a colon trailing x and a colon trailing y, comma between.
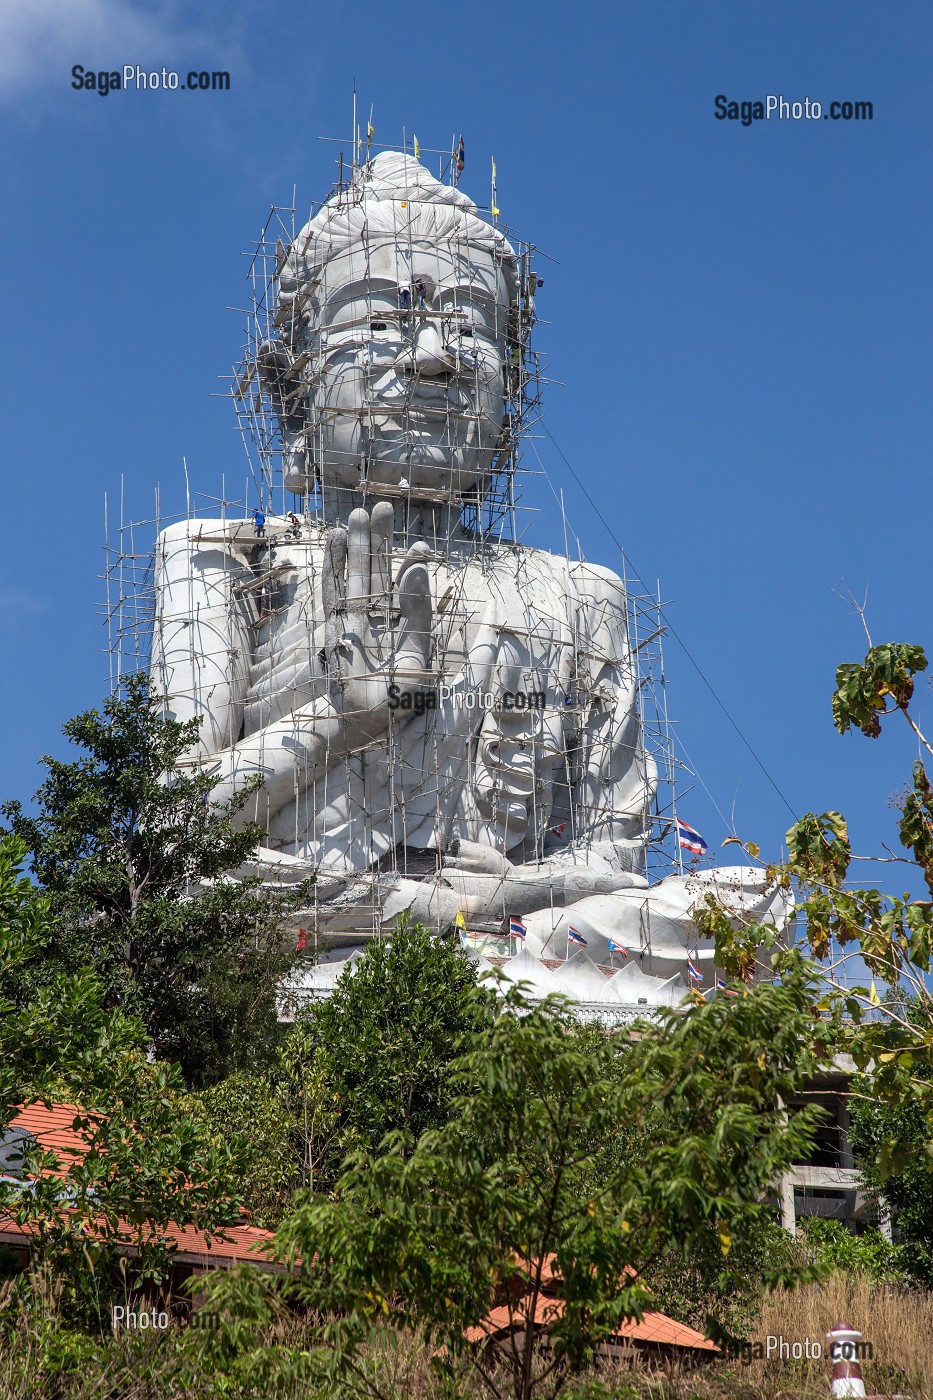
x: 395, y: 313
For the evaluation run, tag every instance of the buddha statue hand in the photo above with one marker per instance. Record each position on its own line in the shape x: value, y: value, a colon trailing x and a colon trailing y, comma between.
x: 377, y: 631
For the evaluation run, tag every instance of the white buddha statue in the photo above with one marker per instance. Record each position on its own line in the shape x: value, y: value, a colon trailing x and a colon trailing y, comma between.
x: 455, y: 713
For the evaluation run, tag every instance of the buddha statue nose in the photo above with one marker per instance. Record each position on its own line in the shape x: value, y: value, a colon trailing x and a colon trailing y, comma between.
x: 427, y: 356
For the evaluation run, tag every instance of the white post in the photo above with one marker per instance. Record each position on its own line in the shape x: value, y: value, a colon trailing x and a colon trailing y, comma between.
x: 847, y: 1368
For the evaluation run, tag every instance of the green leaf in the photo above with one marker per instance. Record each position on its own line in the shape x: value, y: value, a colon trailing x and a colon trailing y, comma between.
x: 819, y: 848
x: 862, y: 690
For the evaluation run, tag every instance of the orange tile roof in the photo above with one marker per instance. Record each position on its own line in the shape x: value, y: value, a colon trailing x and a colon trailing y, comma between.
x: 654, y: 1327
x: 227, y: 1244
x: 52, y: 1128
x: 245, y: 1242
x: 500, y: 1320
x: 664, y: 1331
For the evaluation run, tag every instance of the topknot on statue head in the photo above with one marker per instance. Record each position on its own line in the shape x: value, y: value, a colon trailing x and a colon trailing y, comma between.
x: 368, y: 279
x: 376, y: 203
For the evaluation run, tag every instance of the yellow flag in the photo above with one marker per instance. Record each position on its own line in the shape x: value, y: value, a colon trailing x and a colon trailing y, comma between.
x: 460, y: 921
x: 370, y: 130
x: 873, y: 996
x: 494, y: 170
x: 417, y: 149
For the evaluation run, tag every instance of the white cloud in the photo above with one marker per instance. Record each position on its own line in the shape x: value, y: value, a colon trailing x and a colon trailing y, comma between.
x: 40, y: 40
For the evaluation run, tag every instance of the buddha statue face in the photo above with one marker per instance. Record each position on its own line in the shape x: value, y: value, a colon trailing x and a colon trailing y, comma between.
x: 404, y: 313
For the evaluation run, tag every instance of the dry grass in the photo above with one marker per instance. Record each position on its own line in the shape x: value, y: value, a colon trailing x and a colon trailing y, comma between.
x: 899, y: 1325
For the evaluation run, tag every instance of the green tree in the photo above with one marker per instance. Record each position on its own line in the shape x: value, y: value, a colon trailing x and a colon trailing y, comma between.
x: 516, y: 1183
x: 837, y: 1248
x: 314, y: 1104
x: 851, y: 926
x: 146, y: 1163
x: 893, y: 1142
x: 131, y: 852
x: 893, y: 934
x: 260, y: 1111
x: 381, y: 1047
x: 723, y: 1293
x: 702, y: 1286
x: 374, y: 1058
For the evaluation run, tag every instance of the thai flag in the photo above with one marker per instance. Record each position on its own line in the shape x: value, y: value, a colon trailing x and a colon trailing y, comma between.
x: 461, y: 157
x: 617, y: 948
x: 576, y: 937
x: 694, y: 972
x: 721, y: 987
x: 517, y: 929
x: 690, y: 839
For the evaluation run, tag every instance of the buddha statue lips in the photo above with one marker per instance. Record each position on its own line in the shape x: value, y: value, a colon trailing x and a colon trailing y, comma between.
x: 365, y: 672
x: 436, y: 411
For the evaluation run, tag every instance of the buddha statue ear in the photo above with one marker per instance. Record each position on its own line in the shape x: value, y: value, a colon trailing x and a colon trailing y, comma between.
x: 299, y: 471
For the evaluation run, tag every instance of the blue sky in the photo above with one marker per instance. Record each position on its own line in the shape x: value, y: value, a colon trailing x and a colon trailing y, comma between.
x: 740, y: 321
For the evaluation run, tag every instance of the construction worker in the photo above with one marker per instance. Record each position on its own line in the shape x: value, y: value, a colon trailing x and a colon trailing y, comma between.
x: 259, y: 524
